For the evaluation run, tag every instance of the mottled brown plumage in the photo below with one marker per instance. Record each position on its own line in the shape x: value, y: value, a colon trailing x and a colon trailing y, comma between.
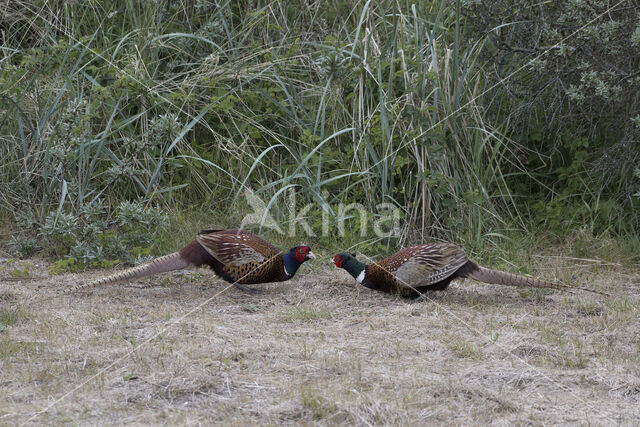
x: 243, y: 257
x: 417, y: 269
x: 237, y: 256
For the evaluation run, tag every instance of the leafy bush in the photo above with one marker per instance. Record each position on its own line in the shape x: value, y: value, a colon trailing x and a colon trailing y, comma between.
x: 570, y: 70
x: 356, y: 102
x: 91, y: 239
x: 23, y: 247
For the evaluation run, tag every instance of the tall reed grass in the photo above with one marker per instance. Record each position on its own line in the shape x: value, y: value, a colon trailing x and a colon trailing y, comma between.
x: 190, y: 103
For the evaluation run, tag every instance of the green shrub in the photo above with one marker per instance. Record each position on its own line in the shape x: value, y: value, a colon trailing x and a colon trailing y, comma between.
x: 567, y: 77
x: 23, y: 247
x: 96, y: 241
x: 448, y: 110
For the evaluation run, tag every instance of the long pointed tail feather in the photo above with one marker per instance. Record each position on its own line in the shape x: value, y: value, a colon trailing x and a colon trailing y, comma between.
x: 159, y: 265
x: 497, y: 277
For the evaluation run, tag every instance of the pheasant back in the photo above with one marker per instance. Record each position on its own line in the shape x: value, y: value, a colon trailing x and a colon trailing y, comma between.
x: 422, y: 266
x: 242, y: 257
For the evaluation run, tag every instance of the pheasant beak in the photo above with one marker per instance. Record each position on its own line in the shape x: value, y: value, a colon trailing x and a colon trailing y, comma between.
x: 311, y: 255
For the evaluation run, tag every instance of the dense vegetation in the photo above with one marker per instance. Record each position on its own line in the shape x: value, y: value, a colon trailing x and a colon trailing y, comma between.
x: 475, y: 118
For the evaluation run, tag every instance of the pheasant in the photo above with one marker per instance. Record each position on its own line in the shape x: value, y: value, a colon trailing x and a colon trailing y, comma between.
x: 236, y: 256
x: 430, y: 267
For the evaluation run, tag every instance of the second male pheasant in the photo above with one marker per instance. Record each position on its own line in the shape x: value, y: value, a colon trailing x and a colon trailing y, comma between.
x: 416, y: 269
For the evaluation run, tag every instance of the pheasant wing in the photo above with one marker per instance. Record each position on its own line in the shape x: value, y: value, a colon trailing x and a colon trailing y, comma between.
x: 236, y: 248
x: 430, y: 264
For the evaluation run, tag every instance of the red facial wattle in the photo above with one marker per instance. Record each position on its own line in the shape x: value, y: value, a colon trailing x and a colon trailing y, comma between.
x: 301, y: 254
x: 338, y: 261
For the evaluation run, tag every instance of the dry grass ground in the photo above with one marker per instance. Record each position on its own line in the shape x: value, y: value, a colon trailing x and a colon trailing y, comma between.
x: 175, y: 349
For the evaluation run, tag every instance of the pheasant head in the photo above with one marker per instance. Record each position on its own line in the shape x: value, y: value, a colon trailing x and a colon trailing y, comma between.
x: 349, y: 262
x: 296, y: 256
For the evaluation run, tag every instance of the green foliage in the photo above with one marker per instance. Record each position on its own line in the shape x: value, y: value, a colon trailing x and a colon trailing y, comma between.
x: 21, y: 272
x: 23, y: 247
x: 60, y: 230
x: 183, y: 105
x: 94, y: 240
x: 570, y: 70
x: 63, y: 266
